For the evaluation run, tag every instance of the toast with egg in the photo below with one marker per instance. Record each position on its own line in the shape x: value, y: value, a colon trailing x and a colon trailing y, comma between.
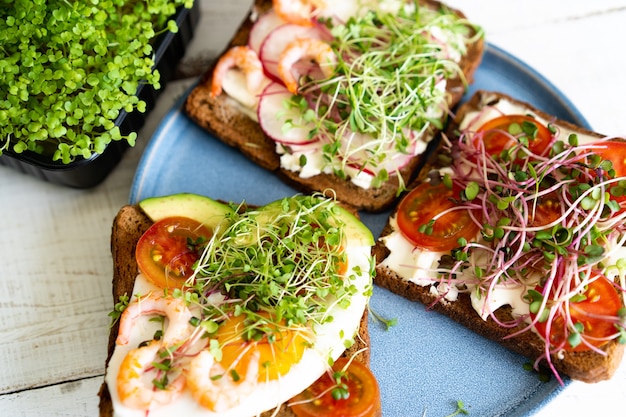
x: 436, y: 289
x: 129, y: 225
x: 226, y: 120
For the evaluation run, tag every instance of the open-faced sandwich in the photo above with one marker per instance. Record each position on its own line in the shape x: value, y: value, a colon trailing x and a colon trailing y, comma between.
x: 517, y: 230
x: 339, y: 95
x: 236, y: 311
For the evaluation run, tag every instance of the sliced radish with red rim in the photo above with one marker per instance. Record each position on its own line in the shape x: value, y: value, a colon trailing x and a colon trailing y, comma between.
x: 264, y: 25
x: 278, y: 39
x: 358, y: 148
x: 275, y: 114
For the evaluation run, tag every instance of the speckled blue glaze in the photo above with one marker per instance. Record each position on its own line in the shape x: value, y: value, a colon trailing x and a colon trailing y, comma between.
x: 426, y: 362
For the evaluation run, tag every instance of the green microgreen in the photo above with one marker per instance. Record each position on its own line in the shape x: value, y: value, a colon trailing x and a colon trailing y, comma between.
x: 548, y: 222
x: 542, y: 375
x: 471, y: 190
x: 574, y: 339
x: 622, y: 326
x: 119, y: 308
x: 235, y: 375
x: 69, y: 69
x: 164, y: 365
x: 386, y: 87
x: 340, y: 390
x: 388, y: 323
x: 284, y: 259
x: 215, y: 349
x: 161, y: 383
x: 460, y: 409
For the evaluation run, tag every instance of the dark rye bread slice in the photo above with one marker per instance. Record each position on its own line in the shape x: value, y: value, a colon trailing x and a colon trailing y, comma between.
x: 584, y: 366
x: 222, y: 118
x: 129, y: 225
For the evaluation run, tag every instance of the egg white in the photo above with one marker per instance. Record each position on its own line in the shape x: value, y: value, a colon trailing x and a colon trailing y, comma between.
x: 330, y: 342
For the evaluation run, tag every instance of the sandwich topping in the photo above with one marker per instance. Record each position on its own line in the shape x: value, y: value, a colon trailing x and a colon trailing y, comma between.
x: 525, y: 214
x: 237, y: 318
x: 355, y: 89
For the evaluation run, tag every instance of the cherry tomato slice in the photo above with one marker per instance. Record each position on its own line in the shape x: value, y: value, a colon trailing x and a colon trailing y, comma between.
x: 498, y: 133
x: 164, y: 254
x: 318, y: 400
x: 546, y: 211
x: 616, y: 153
x: 601, y: 299
x: 421, y: 205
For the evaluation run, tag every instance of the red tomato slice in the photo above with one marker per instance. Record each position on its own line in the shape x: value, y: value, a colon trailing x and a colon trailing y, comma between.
x: 601, y: 299
x: 421, y: 205
x: 616, y: 153
x: 496, y: 136
x: 546, y: 211
x: 164, y: 254
x: 318, y: 401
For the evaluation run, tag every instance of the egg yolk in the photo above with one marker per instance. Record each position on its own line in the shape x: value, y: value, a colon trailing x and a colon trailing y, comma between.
x: 278, y: 347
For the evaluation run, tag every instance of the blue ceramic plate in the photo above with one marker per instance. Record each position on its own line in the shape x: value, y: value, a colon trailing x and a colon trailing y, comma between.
x: 426, y: 362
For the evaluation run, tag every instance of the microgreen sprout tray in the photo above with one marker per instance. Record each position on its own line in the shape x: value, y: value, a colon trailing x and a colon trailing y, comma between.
x: 85, y: 173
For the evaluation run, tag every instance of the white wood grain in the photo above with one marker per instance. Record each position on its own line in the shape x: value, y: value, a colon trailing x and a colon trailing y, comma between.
x: 55, y: 289
x: 71, y: 399
x: 578, y: 46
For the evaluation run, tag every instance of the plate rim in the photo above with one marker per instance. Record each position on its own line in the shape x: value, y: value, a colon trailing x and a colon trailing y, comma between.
x: 539, y: 78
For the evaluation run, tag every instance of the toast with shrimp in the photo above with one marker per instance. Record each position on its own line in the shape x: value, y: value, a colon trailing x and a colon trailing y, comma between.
x: 305, y: 97
x: 516, y: 231
x: 136, y: 224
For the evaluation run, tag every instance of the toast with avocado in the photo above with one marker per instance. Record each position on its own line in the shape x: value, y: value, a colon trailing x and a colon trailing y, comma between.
x: 516, y: 231
x: 217, y: 266
x: 343, y: 99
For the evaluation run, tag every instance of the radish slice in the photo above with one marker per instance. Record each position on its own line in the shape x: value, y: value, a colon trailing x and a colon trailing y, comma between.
x: 397, y: 160
x: 278, y: 39
x: 273, y: 116
x: 358, y: 148
x: 264, y: 25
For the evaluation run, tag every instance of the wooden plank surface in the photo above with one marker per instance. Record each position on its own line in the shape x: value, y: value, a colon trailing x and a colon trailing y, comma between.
x: 55, y: 287
x: 55, y: 281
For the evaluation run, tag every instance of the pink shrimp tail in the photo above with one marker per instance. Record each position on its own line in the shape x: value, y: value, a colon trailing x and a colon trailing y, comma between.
x: 242, y: 58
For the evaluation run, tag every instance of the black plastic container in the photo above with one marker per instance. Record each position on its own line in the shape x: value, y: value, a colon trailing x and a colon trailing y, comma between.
x: 86, y: 173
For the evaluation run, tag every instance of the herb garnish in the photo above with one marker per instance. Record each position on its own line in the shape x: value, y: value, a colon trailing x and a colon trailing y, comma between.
x: 287, y: 260
x: 560, y: 252
x: 388, y: 87
x: 69, y: 68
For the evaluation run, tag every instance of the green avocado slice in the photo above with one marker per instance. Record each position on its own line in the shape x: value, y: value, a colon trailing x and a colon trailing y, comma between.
x: 354, y: 230
x: 197, y: 207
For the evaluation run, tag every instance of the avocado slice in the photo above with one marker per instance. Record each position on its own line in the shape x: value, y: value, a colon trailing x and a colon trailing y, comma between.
x: 200, y: 208
x: 355, y: 230
x: 357, y: 233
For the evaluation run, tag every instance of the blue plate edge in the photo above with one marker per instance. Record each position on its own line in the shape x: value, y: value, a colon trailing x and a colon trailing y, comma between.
x: 565, y: 101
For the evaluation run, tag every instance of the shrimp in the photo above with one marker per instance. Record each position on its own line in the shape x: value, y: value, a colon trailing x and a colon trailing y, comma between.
x: 134, y: 390
x: 299, y: 12
x: 243, y: 58
x: 302, y: 48
x: 175, y: 309
x: 214, y: 388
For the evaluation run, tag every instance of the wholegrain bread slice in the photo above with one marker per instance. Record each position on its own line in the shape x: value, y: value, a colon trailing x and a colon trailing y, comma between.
x: 587, y: 366
x: 129, y: 225
x: 221, y: 117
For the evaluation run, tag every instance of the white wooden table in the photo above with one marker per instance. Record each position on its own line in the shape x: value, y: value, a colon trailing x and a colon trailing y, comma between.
x: 55, y: 274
